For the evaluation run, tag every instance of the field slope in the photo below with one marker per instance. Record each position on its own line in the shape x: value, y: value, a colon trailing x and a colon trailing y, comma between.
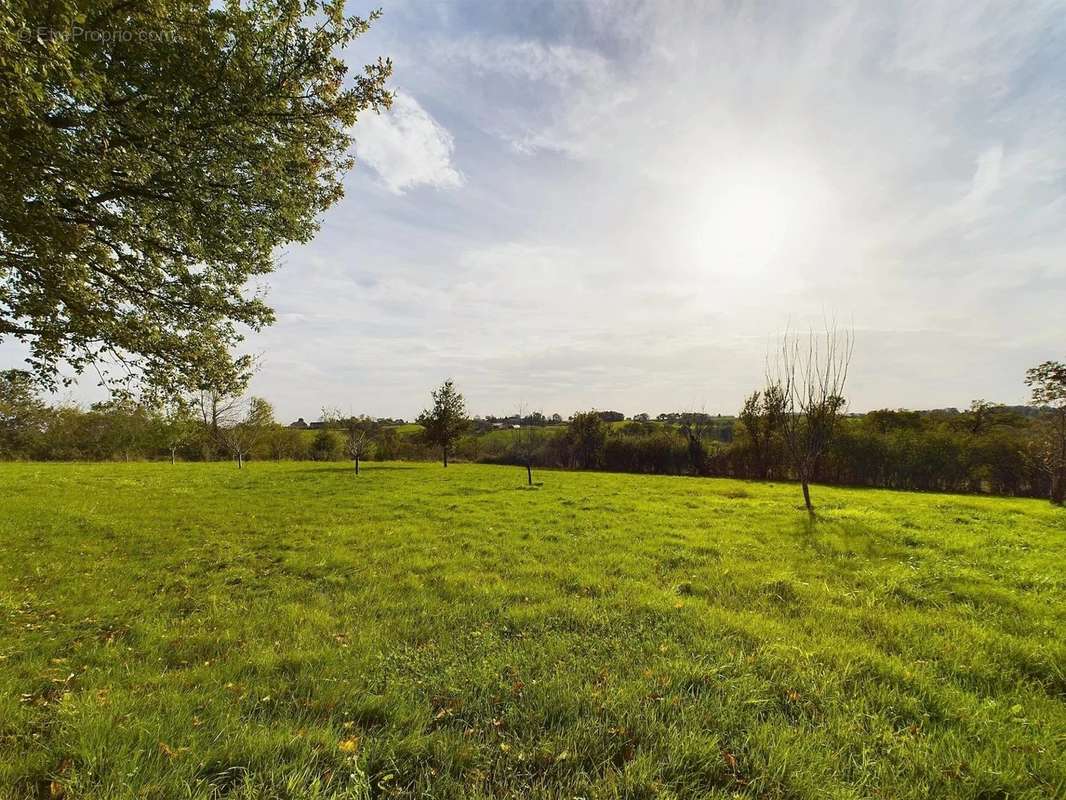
x: 293, y: 631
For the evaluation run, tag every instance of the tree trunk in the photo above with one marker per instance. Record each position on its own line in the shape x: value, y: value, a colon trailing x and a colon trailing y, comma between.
x: 1058, y: 488
x: 357, y: 465
x: 445, y: 456
x: 240, y: 461
x: 807, y: 495
x: 172, y: 459
x: 529, y: 472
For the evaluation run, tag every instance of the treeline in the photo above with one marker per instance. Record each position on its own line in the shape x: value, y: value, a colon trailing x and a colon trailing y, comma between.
x: 117, y: 431
x: 795, y: 428
x: 204, y: 427
x: 986, y: 449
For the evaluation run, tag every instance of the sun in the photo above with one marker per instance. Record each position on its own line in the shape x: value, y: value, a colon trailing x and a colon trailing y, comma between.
x: 758, y: 217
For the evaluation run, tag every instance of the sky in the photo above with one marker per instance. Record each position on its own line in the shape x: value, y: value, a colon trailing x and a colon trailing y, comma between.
x: 623, y: 206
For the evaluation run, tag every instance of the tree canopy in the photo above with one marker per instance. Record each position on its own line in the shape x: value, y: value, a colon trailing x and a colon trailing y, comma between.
x: 21, y: 412
x: 154, y: 157
x: 447, y: 420
x: 1048, y: 385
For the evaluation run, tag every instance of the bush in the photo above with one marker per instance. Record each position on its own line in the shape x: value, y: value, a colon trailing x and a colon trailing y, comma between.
x: 326, y: 446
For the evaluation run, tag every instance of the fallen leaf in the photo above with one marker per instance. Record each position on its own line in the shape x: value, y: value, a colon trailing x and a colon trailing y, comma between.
x: 170, y: 752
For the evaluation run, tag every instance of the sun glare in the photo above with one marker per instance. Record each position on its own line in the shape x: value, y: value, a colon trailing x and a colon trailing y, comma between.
x: 758, y: 217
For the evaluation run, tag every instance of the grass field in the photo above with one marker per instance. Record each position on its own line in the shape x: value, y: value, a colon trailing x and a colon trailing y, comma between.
x: 292, y: 631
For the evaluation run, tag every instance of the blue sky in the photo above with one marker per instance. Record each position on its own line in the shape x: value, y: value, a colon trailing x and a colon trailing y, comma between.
x: 622, y: 205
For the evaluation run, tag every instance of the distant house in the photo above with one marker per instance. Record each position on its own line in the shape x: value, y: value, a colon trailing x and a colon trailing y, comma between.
x: 299, y: 424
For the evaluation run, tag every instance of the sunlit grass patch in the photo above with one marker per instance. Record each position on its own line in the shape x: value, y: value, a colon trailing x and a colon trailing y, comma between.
x: 296, y: 631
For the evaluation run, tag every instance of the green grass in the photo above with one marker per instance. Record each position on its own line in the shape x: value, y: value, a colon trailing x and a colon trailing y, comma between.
x: 292, y: 631
x: 407, y: 429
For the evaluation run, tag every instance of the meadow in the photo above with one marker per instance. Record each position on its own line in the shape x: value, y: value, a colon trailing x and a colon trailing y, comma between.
x: 294, y: 631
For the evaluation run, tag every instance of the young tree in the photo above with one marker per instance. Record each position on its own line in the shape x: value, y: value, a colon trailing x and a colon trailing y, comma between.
x: 219, y: 406
x: 178, y: 426
x: 446, y: 421
x: 151, y: 178
x: 358, y: 435
x: 526, y: 438
x: 242, y: 435
x: 1047, y: 383
x: 357, y: 443
x: 810, y: 376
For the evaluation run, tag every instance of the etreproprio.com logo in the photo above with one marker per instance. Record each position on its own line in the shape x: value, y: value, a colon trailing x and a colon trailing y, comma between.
x: 44, y: 34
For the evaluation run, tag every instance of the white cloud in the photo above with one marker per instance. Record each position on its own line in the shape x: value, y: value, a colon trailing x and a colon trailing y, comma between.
x: 406, y: 147
x: 986, y: 180
x: 527, y: 59
x: 571, y: 89
x: 969, y: 41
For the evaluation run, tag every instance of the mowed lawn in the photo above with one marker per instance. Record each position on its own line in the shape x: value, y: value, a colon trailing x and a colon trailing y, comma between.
x: 293, y: 631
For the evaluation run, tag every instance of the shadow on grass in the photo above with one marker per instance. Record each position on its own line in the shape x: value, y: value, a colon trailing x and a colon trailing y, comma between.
x: 351, y: 470
x: 848, y: 540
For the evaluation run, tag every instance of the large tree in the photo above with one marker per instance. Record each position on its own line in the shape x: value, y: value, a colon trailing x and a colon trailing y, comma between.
x: 1048, y: 385
x: 154, y: 157
x: 446, y: 421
